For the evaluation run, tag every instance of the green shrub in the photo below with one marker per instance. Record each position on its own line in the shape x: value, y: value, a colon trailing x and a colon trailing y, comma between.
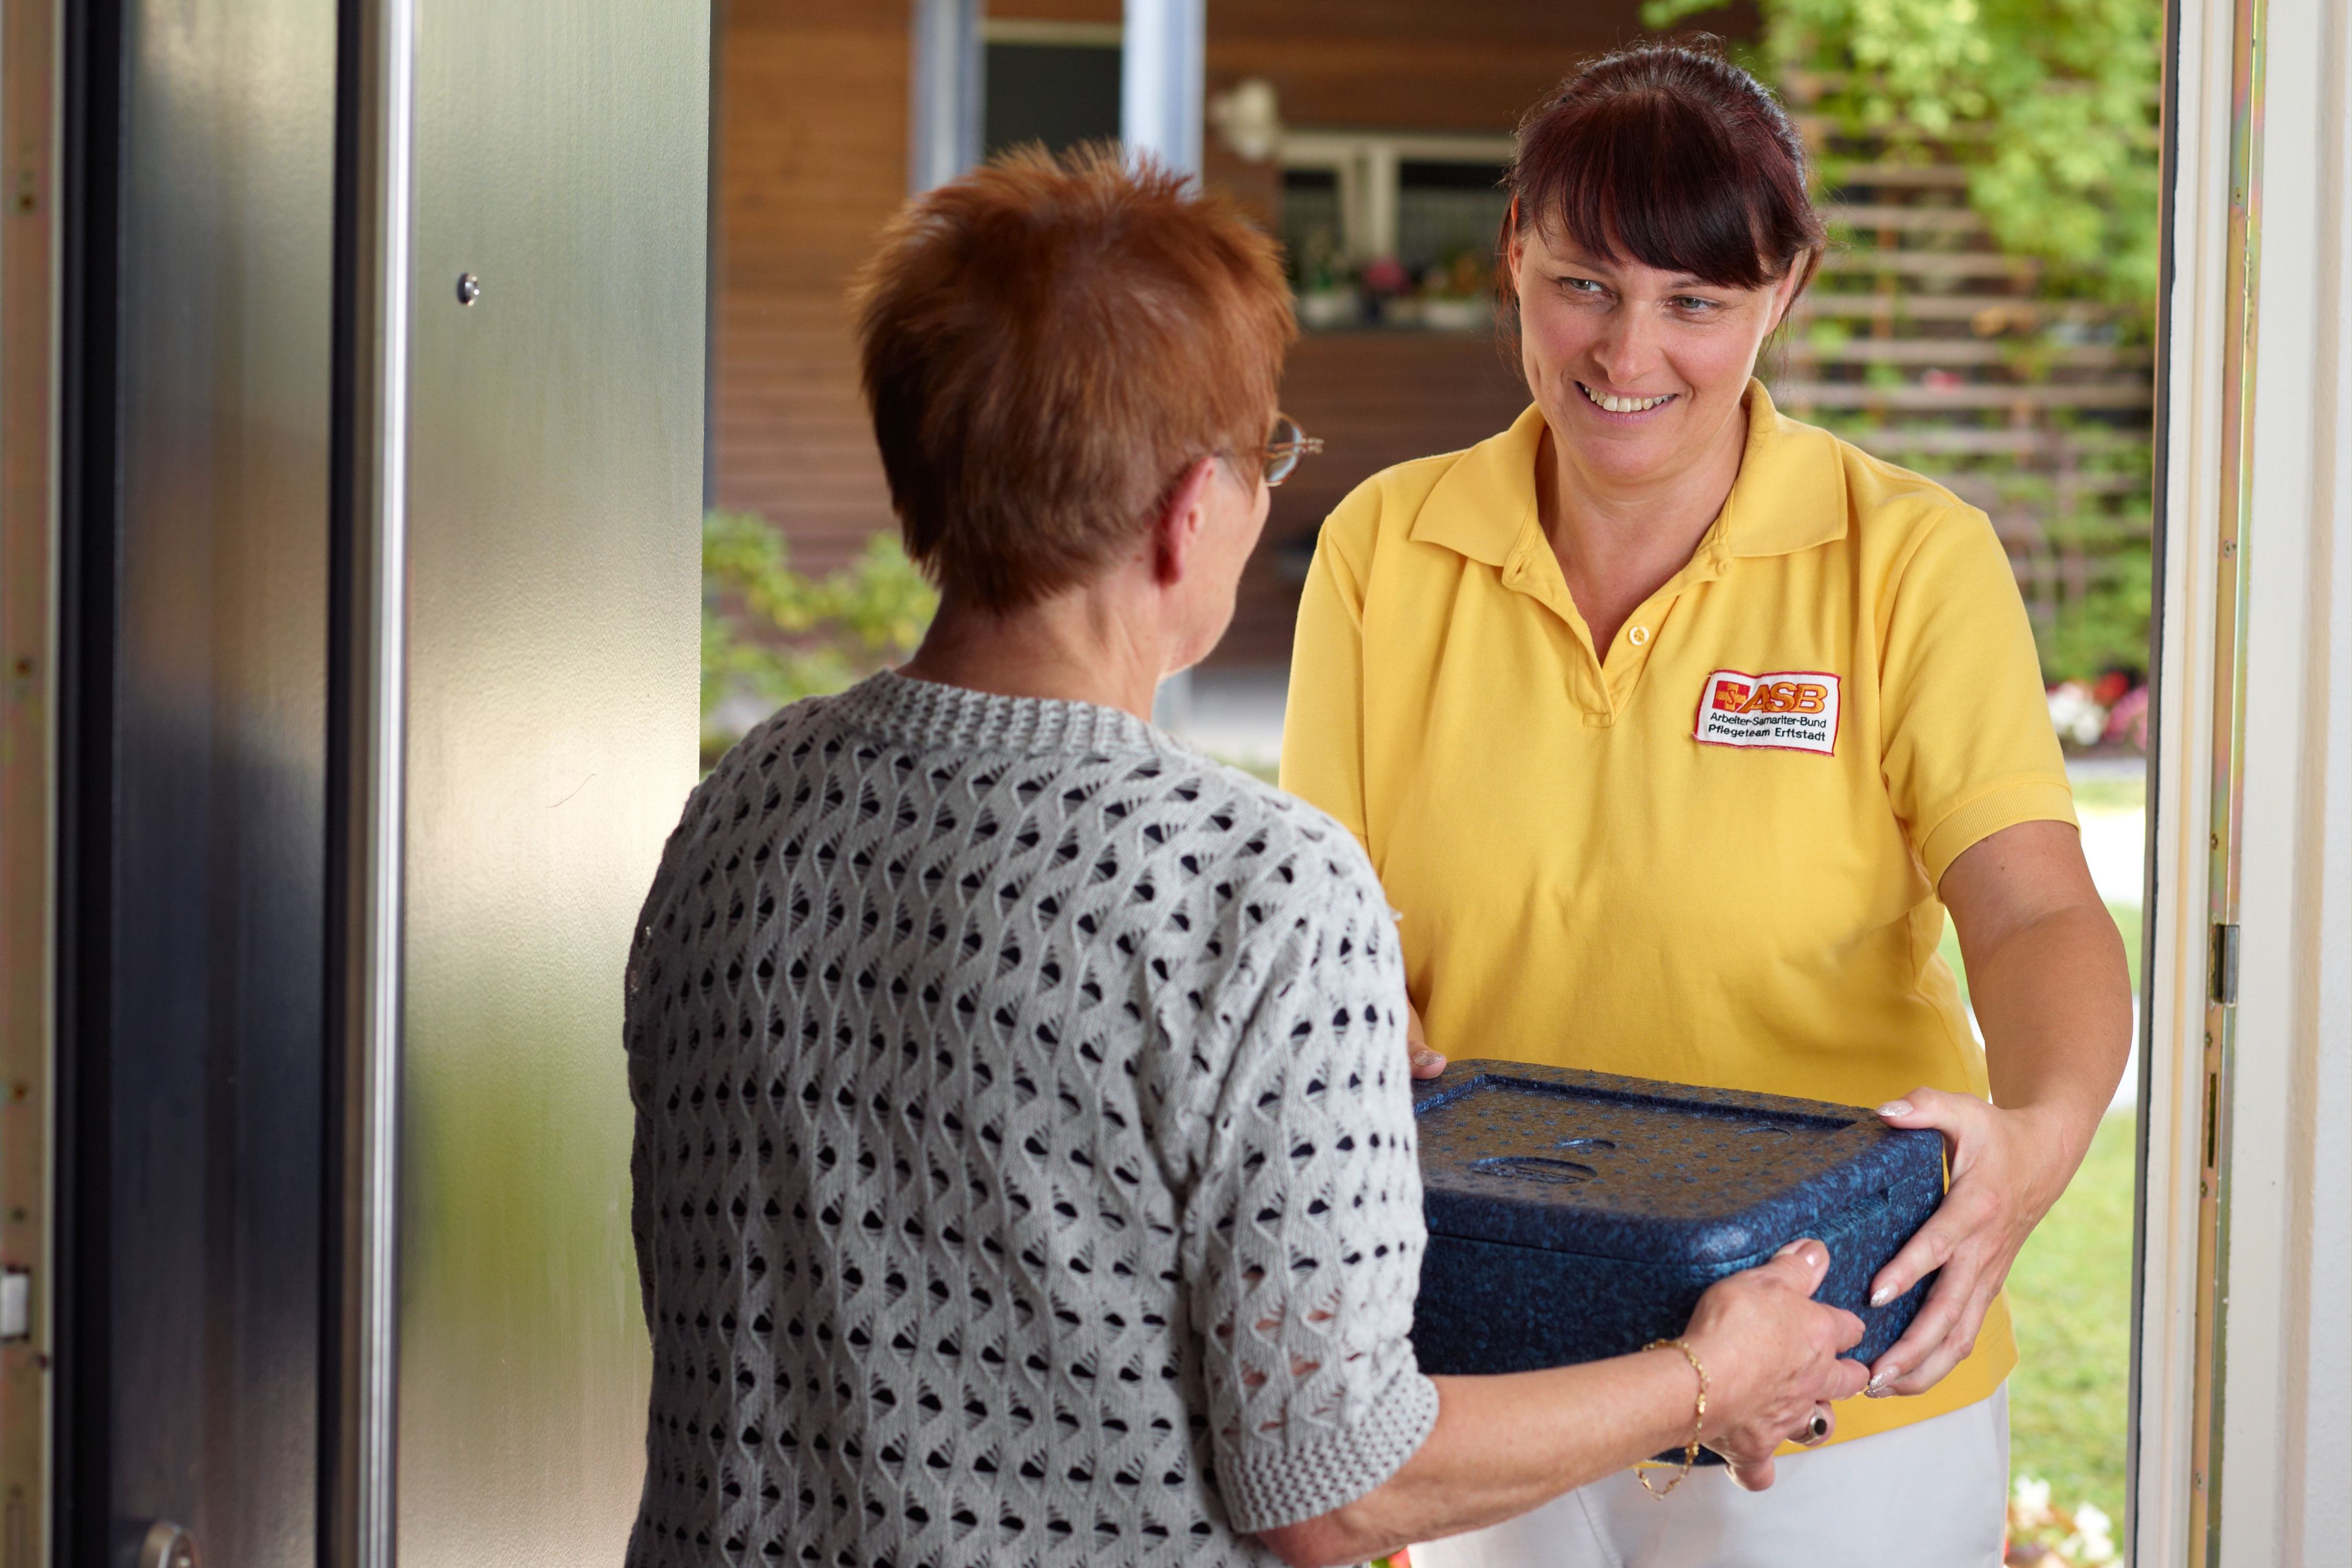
x: 2060, y: 97
x: 2050, y: 107
x: 772, y: 635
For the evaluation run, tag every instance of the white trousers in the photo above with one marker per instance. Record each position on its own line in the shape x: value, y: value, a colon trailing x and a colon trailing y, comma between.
x: 1934, y: 1494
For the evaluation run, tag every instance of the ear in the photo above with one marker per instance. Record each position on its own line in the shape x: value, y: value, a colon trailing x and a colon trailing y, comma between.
x: 1176, y: 531
x: 1784, y: 296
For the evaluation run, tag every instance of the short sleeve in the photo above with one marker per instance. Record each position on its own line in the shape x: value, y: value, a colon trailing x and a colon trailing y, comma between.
x: 1323, y: 727
x: 1968, y: 749
x: 1304, y: 1231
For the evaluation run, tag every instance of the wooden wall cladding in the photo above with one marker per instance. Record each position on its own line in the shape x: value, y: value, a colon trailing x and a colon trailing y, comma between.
x: 812, y: 161
x: 1376, y: 399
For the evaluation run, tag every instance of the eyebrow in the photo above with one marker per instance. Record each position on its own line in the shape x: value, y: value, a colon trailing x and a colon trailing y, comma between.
x: 1681, y: 279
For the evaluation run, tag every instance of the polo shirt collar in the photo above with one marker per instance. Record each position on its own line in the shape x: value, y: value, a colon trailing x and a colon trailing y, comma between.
x: 1790, y: 493
x: 1790, y: 496
x: 1484, y: 501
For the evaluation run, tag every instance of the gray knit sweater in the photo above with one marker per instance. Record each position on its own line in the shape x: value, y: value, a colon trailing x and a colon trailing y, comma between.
x: 1024, y: 1168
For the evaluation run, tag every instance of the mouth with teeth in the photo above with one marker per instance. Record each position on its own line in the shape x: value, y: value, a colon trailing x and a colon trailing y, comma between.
x: 1612, y: 404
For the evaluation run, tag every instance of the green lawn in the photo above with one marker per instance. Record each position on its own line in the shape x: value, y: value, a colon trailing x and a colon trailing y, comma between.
x: 2070, y: 1295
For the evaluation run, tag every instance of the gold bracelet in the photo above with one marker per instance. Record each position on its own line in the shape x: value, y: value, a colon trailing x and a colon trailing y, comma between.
x: 1699, y: 1422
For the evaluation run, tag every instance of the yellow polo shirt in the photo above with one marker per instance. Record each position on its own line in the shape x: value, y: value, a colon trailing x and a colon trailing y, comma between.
x: 1710, y: 854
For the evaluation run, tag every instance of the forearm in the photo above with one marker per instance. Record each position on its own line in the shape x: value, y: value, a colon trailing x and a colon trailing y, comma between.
x: 1505, y: 1445
x: 2054, y: 999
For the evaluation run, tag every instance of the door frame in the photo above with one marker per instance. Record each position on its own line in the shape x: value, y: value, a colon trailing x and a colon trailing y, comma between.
x: 2238, y: 1443
x: 30, y: 243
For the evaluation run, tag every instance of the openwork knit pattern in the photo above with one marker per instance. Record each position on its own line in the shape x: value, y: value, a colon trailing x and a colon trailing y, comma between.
x: 1024, y: 1165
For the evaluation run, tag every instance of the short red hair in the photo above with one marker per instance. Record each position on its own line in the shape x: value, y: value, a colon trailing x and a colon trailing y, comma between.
x: 1047, y: 343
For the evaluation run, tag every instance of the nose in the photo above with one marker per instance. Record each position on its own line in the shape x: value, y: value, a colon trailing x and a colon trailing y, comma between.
x: 1627, y: 348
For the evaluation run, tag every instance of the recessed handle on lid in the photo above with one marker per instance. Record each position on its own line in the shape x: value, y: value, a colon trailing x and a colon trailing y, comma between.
x: 1535, y: 1168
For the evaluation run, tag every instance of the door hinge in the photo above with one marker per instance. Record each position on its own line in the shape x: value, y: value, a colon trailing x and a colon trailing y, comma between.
x: 2225, y: 964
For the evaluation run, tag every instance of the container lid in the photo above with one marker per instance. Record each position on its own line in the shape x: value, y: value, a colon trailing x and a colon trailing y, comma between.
x: 1653, y: 1172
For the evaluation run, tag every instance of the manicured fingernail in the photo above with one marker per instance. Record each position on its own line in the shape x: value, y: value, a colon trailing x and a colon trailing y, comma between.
x: 1896, y: 1107
x: 1878, y: 1388
x: 1881, y: 1295
x: 1789, y: 1248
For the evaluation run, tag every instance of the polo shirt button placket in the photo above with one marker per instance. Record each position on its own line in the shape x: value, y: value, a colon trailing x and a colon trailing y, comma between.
x: 1638, y: 637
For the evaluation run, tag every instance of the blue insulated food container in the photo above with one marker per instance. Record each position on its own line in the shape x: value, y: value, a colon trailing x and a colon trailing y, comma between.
x: 1574, y: 1216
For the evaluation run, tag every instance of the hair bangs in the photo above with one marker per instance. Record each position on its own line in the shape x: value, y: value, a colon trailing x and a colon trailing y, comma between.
x: 1675, y: 157
x: 1647, y: 181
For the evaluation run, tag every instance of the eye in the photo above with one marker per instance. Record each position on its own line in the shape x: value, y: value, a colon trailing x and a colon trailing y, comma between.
x: 1584, y: 286
x: 1695, y: 303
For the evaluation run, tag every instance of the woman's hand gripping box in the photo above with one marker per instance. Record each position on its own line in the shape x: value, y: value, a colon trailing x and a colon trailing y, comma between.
x: 1576, y: 1216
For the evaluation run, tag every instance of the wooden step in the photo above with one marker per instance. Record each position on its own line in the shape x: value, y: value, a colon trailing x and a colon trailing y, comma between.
x: 1914, y: 176
x: 1941, y: 352
x: 1872, y: 260
x: 2019, y: 311
x: 2134, y: 393
x: 1915, y: 220
x: 1818, y: 129
x: 1982, y: 487
x: 1896, y: 442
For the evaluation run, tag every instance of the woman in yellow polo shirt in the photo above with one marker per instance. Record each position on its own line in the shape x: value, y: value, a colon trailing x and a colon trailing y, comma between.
x: 1674, y: 727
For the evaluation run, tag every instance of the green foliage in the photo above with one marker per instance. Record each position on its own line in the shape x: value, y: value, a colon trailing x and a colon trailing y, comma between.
x: 2096, y: 546
x: 2107, y: 628
x: 2056, y: 99
x: 772, y: 635
x: 2070, y: 1291
x: 2070, y: 1294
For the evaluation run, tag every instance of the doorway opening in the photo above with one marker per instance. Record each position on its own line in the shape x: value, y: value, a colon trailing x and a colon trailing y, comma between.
x: 1987, y: 317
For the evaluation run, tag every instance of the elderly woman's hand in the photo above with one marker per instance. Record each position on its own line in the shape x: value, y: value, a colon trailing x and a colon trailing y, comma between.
x: 2008, y: 1167
x: 1773, y: 1360
x: 1426, y: 1062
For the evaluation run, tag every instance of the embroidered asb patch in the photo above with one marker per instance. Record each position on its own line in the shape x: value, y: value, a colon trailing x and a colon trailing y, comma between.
x: 1795, y: 711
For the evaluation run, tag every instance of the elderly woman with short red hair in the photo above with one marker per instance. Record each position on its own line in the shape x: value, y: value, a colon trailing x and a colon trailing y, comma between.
x: 1025, y: 1160
x: 1675, y: 726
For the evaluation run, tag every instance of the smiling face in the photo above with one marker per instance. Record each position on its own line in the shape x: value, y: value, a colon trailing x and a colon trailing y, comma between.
x: 1639, y: 371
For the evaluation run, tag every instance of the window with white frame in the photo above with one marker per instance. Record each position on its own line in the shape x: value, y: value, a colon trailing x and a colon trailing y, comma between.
x: 1392, y: 229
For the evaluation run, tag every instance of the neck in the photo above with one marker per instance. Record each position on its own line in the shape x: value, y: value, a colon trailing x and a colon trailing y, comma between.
x: 1619, y: 542
x: 1076, y: 647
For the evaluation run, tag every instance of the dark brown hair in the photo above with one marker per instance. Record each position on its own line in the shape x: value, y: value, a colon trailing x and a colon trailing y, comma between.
x: 1046, y: 344
x: 1675, y: 154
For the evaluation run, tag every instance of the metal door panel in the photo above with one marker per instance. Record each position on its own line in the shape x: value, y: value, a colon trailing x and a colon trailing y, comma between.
x: 213, y: 1051
x: 555, y: 484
